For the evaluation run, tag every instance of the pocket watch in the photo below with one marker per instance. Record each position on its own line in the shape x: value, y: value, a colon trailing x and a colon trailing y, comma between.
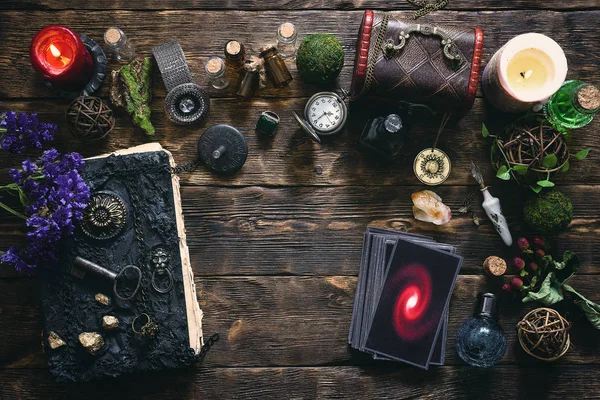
x: 325, y: 114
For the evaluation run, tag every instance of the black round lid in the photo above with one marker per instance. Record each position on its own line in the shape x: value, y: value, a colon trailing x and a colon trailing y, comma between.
x: 307, y: 128
x: 223, y: 149
x: 187, y: 103
x: 487, y: 305
x: 393, y: 123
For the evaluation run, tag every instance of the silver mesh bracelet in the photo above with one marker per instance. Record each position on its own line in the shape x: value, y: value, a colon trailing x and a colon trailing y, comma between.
x: 172, y: 64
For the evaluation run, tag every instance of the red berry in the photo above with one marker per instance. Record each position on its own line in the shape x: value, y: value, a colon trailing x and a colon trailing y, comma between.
x: 533, y: 266
x: 523, y: 244
x: 516, y: 283
x: 539, y: 253
x: 539, y: 242
x: 519, y: 263
x: 506, y: 287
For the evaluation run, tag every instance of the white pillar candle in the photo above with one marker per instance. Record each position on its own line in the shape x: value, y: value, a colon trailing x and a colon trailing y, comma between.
x: 525, y: 72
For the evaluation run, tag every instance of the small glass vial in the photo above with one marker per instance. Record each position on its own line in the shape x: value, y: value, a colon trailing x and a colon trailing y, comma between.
x: 215, y: 68
x: 480, y: 340
x: 235, y: 54
x: 249, y: 83
x: 286, y: 39
x: 573, y: 105
x: 275, y: 67
x: 116, y: 41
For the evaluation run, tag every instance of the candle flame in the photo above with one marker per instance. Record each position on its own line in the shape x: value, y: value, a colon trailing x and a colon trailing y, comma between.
x: 55, y: 52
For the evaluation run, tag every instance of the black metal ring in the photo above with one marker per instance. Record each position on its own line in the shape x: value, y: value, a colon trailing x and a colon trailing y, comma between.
x: 137, y: 288
x: 98, y: 75
x: 148, y: 319
x: 158, y: 288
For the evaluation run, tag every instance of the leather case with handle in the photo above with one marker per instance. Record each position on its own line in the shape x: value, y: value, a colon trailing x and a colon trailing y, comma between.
x: 419, y: 63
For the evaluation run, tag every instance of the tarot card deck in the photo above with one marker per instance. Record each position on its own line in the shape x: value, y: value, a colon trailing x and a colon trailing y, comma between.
x: 401, y: 305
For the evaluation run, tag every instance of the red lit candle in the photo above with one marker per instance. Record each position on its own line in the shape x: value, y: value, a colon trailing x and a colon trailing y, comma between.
x: 58, y: 54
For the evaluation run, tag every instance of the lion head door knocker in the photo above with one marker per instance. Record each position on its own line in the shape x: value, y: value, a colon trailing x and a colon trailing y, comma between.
x: 105, y: 215
x: 450, y: 49
x: 162, y: 277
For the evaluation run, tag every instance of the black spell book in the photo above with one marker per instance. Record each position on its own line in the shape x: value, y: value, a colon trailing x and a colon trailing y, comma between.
x: 132, y: 234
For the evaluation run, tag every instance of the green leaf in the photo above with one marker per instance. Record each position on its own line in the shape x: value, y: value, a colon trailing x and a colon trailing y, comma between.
x: 567, y: 268
x: 23, y: 197
x: 550, y: 292
x: 580, y: 155
x: 13, y: 212
x: 520, y: 169
x: 536, y: 188
x: 589, y: 308
x: 566, y: 167
x: 523, y: 273
x: 484, y: 130
x: 550, y: 161
x: 503, y: 173
x: 545, y: 183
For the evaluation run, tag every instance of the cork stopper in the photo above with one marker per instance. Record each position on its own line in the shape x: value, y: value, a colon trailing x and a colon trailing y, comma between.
x: 589, y: 97
x: 112, y: 35
x: 233, y: 47
x: 287, y: 30
x: 494, y: 266
x: 214, y: 65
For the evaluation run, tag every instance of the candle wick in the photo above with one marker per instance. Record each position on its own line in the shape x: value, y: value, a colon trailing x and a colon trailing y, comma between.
x: 522, y: 74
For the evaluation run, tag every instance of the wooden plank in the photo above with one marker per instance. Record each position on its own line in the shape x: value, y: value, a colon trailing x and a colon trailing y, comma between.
x: 294, y: 321
x: 292, y: 158
x: 319, y: 231
x: 203, y: 34
x: 255, y: 5
x: 541, y: 381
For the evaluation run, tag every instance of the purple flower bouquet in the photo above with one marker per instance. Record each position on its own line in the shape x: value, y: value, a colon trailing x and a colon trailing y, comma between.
x: 20, y: 131
x: 54, y: 197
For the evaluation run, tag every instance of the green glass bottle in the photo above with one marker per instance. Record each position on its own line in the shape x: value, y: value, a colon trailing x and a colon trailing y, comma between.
x: 573, y: 105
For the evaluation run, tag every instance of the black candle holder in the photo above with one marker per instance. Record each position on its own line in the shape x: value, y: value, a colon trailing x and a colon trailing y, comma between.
x: 100, y: 66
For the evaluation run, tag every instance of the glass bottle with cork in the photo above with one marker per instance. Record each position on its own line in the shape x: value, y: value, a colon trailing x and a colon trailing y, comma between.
x: 286, y: 39
x: 275, y: 66
x: 573, y: 105
x: 215, y: 68
x: 235, y: 54
x: 116, y: 41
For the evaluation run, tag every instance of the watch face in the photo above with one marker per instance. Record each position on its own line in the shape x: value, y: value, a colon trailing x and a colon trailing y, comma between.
x: 326, y: 112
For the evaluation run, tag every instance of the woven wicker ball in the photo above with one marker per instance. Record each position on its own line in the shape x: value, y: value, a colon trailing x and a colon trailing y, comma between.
x: 90, y: 118
x: 544, y: 334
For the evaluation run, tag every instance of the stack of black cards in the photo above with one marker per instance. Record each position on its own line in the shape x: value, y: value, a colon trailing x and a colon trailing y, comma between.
x: 401, y: 305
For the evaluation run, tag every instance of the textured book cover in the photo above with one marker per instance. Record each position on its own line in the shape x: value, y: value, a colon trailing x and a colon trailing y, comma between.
x: 91, y: 330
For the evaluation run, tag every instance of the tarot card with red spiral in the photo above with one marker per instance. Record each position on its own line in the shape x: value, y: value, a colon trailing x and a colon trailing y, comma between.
x: 412, y: 303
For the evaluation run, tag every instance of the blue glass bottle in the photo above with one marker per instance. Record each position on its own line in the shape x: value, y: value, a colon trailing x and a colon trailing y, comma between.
x: 480, y: 340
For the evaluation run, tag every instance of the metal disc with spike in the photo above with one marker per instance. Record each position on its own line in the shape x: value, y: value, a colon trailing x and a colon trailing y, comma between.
x: 223, y: 149
x: 432, y: 166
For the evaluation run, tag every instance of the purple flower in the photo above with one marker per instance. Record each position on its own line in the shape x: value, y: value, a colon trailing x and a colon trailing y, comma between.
x: 15, y: 175
x: 56, y: 198
x: 21, y: 131
x: 28, y: 166
x: 18, y: 260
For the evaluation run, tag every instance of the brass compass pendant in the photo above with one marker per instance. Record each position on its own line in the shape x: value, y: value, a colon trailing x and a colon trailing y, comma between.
x: 432, y: 166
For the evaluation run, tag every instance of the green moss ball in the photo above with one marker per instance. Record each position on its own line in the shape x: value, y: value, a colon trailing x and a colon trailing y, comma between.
x: 548, y: 213
x: 320, y: 58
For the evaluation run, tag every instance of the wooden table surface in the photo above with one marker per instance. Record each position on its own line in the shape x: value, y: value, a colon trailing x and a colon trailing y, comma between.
x: 276, y: 248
